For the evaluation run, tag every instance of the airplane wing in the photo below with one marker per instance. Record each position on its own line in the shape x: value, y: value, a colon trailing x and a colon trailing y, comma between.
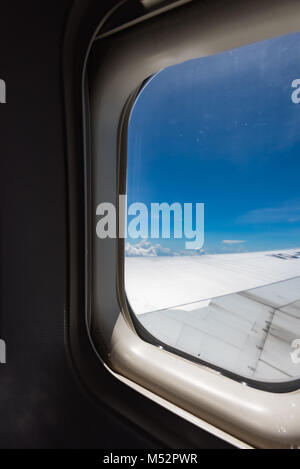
x: 249, y: 331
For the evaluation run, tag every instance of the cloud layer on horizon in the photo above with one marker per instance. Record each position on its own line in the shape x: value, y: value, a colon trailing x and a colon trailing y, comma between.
x: 145, y: 249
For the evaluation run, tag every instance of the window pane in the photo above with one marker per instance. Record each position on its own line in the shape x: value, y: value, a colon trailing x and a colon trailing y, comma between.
x: 222, y: 131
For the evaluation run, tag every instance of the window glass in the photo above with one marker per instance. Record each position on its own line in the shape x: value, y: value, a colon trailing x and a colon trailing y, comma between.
x: 212, y: 255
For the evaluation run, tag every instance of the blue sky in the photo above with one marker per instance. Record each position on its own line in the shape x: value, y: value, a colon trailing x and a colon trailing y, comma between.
x: 223, y: 130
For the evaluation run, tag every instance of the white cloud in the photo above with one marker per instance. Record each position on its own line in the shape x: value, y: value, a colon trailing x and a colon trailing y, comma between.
x: 233, y: 241
x: 145, y: 249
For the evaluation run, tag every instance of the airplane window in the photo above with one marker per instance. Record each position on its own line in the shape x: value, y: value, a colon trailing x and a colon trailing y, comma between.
x: 212, y: 254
